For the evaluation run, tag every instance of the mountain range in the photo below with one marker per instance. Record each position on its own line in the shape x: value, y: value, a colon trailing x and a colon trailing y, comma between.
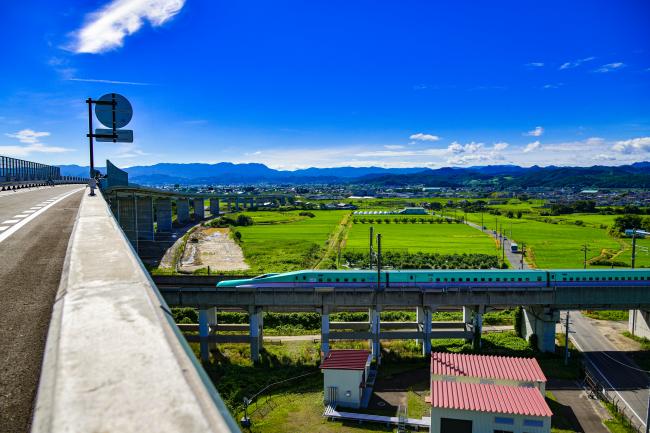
x: 636, y: 175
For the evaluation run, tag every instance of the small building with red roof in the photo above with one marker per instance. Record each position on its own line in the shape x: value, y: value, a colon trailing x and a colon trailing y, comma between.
x: 497, y: 370
x: 345, y: 373
x: 463, y: 407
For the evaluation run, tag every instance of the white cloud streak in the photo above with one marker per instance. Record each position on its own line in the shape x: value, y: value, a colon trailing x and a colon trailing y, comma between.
x: 28, y: 136
x: 106, y: 29
x: 537, y: 132
x: 32, y: 139
x: 641, y: 144
x: 532, y: 146
x: 95, y: 80
x: 609, y: 67
x: 424, y: 137
x: 576, y: 63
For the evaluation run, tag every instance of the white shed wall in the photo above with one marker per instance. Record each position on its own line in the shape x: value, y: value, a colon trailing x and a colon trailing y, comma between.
x: 484, y: 422
x: 344, y: 381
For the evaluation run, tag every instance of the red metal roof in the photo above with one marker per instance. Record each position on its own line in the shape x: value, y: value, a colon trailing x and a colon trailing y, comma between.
x: 346, y: 359
x: 516, y: 400
x: 488, y: 367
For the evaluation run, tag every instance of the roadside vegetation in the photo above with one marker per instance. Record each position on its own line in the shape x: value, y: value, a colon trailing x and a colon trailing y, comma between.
x: 614, y: 315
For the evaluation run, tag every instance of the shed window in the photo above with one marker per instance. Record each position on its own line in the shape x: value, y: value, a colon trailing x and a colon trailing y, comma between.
x: 533, y: 423
x: 503, y: 420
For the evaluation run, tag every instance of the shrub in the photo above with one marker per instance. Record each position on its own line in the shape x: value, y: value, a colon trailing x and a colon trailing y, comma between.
x: 309, y: 214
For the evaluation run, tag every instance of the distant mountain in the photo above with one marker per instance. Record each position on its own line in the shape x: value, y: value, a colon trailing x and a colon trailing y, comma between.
x: 636, y: 175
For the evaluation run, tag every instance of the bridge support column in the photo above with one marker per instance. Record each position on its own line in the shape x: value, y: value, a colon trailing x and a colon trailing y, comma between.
x: 540, y: 322
x: 214, y: 207
x: 126, y: 216
x: 182, y: 211
x: 237, y: 209
x: 375, y: 327
x: 423, y: 317
x: 468, y: 314
x: 324, y: 332
x: 144, y: 208
x: 255, y: 325
x: 199, y: 209
x: 207, y: 321
x: 639, y: 323
x: 164, y: 214
x: 478, y: 326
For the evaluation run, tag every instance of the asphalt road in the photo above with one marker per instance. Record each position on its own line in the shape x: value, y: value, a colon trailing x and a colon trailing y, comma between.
x: 617, y: 371
x: 32, y: 251
x: 513, y: 258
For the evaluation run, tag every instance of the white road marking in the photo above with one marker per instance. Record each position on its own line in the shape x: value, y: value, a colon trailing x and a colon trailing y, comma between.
x: 22, y: 215
x: 29, y: 211
x: 10, y: 222
x: 3, y: 228
x: 35, y: 207
x: 20, y: 224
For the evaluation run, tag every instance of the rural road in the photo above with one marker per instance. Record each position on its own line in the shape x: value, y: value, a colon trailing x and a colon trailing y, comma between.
x: 615, y: 369
x: 35, y: 227
x: 514, y: 259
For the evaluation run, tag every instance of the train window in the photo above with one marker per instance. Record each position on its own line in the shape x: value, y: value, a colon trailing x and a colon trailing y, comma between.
x: 337, y: 280
x: 452, y: 280
x: 489, y: 279
x: 329, y: 279
x: 512, y: 279
x: 527, y: 279
x: 563, y: 279
x: 540, y: 278
x: 519, y: 279
x: 345, y: 279
x: 296, y: 278
x: 363, y: 280
x: 609, y: 278
x: 320, y: 279
x: 475, y: 279
x: 411, y: 277
x: 615, y: 278
x: 591, y: 279
x: 304, y: 277
x: 498, y: 279
x: 636, y: 278
x: 445, y: 280
x: 354, y: 280
x: 570, y: 278
x: 437, y: 280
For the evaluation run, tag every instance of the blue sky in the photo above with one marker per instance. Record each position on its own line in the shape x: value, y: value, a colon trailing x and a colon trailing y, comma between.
x: 295, y: 84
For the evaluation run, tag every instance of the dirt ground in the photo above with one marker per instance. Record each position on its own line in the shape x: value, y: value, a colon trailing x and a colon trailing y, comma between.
x: 212, y: 247
x: 613, y: 332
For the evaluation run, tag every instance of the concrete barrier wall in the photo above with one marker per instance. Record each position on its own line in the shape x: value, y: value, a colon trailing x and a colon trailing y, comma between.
x: 114, y: 359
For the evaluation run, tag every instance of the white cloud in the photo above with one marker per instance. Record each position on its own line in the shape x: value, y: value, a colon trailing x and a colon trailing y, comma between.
x: 537, y: 132
x: 393, y: 146
x: 552, y: 85
x: 641, y: 144
x: 576, y: 63
x: 22, y: 151
x: 609, y: 67
x: 463, y: 154
x: 532, y: 146
x: 500, y: 146
x: 106, y: 29
x: 424, y: 137
x: 535, y: 64
x: 96, y: 80
x: 28, y: 136
x: 128, y: 150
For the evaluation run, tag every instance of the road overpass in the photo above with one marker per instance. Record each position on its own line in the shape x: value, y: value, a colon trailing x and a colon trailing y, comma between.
x: 88, y: 343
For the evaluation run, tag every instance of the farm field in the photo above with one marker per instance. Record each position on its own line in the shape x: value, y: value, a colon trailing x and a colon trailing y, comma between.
x: 431, y: 238
x: 286, y: 241
x: 558, y: 243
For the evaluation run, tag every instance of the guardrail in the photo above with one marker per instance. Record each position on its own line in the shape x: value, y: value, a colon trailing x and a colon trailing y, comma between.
x: 114, y: 359
x: 18, y: 173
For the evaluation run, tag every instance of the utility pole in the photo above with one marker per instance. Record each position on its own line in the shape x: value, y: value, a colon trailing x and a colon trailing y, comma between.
x: 371, y: 238
x: 523, y: 253
x: 566, y: 339
x: 584, y: 248
x: 633, y: 247
x: 482, y: 221
x: 647, y: 417
x: 379, y: 262
x: 503, y: 247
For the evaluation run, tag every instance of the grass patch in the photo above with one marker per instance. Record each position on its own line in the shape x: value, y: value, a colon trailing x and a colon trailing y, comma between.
x: 618, y: 423
x: 417, y: 407
x: 615, y: 315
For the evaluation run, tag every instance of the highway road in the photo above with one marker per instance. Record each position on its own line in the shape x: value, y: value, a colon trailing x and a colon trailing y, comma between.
x: 35, y: 227
x: 615, y: 369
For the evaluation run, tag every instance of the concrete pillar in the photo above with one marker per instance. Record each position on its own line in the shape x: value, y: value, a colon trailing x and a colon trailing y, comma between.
x: 144, y: 208
x: 255, y: 326
x: 541, y: 322
x: 478, y: 326
x: 423, y: 317
x: 164, y: 214
x: 204, y: 332
x: 639, y: 323
x: 214, y: 207
x: 375, y: 327
x: 324, y: 332
x: 182, y: 210
x: 229, y: 205
x: 467, y: 314
x: 126, y: 217
x: 199, y: 209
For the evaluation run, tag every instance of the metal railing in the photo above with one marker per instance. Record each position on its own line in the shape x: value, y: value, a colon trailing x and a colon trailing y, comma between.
x: 18, y: 173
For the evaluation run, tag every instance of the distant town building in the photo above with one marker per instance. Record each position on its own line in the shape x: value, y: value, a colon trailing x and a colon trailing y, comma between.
x: 345, y: 373
x: 413, y: 211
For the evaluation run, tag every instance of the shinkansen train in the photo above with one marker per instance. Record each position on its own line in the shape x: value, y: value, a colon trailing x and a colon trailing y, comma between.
x: 448, y: 280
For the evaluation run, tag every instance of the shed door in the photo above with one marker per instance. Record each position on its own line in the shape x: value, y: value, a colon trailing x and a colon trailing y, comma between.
x: 451, y: 425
